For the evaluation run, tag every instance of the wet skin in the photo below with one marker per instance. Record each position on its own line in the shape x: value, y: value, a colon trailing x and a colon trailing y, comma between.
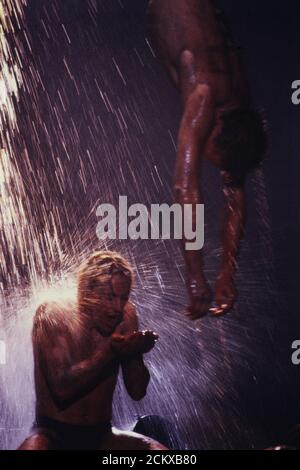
x: 77, y: 355
x: 203, y: 64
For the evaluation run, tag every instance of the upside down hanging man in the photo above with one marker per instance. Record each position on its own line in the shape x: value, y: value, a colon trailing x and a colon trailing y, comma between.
x: 219, y: 123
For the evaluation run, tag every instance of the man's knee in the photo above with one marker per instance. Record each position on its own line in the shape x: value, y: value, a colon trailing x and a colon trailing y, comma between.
x: 39, y: 441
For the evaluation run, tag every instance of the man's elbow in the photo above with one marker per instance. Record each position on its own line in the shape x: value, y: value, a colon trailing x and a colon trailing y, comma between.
x: 138, y: 393
x: 138, y: 389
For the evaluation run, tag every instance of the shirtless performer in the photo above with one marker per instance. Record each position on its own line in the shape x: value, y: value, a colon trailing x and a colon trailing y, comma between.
x: 218, y: 123
x: 78, y: 350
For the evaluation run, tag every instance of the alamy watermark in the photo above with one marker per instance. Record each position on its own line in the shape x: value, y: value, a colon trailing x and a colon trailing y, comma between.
x: 160, y: 221
x: 296, y: 354
x: 296, y: 93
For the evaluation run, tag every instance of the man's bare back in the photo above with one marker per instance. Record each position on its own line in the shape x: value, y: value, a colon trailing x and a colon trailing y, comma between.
x: 78, y: 351
x: 218, y: 122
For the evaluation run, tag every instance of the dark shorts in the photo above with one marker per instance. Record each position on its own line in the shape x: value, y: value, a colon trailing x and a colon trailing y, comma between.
x: 71, y: 436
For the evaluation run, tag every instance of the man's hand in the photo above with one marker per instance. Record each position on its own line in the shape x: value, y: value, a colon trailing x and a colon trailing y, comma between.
x: 225, y: 294
x: 200, y: 296
x: 133, y: 344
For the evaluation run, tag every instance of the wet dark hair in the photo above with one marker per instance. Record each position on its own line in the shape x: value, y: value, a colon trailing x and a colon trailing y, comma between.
x: 243, y: 141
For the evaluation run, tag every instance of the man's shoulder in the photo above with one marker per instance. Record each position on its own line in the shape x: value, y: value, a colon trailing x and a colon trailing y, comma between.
x: 47, y: 311
x: 52, y: 315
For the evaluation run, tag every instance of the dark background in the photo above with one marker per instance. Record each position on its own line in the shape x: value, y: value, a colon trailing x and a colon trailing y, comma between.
x: 225, y: 384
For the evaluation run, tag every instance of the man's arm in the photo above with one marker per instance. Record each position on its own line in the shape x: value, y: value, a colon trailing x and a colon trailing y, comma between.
x: 195, y: 127
x: 233, y: 231
x: 67, y: 380
x: 135, y: 374
x: 136, y: 377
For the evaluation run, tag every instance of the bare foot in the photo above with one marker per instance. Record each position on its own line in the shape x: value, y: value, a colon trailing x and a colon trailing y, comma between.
x: 200, y: 297
x: 225, y: 294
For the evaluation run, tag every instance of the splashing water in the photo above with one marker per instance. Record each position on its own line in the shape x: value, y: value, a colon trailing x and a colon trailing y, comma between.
x: 10, y: 81
x: 19, y: 233
x: 86, y: 116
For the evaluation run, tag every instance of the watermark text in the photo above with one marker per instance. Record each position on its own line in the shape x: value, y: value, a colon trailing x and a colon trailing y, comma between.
x: 161, y: 221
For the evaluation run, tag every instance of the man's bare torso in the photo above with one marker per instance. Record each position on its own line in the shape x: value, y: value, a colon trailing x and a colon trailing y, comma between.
x: 193, y: 25
x: 80, y: 343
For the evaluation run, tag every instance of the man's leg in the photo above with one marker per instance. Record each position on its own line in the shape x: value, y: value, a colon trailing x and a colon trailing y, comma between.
x: 40, y: 440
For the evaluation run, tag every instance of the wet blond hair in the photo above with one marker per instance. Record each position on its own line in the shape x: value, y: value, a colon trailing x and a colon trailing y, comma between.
x: 99, y: 269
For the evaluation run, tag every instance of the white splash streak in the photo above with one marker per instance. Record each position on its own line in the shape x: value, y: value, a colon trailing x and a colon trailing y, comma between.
x: 26, y: 248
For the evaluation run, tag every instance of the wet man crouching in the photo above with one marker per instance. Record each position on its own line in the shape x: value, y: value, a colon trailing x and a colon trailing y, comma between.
x: 78, y: 351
